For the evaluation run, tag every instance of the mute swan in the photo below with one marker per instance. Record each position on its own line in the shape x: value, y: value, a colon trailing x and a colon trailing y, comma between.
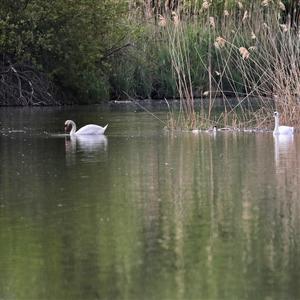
x: 90, y: 129
x: 281, y: 129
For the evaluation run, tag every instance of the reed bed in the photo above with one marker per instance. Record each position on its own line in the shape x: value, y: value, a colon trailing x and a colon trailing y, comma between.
x: 230, y: 49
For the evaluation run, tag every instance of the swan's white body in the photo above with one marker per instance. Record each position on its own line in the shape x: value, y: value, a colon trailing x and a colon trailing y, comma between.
x: 281, y: 130
x: 90, y: 129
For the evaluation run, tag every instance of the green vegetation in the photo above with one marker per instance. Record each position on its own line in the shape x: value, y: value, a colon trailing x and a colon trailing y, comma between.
x: 88, y: 51
x: 67, y: 41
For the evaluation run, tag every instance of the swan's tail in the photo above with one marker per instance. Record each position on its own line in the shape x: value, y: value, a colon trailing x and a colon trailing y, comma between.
x: 104, y: 128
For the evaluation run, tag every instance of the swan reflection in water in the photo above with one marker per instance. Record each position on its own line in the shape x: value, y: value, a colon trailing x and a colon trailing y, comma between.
x: 284, y: 206
x: 89, y: 148
x: 284, y: 150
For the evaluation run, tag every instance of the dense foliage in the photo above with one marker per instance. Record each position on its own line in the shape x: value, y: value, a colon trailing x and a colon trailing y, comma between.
x: 66, y: 40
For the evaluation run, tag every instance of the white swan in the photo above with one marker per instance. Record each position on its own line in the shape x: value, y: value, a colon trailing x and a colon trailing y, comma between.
x: 90, y: 129
x: 278, y: 130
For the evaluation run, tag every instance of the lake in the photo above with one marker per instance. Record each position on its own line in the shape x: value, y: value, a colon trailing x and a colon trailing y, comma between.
x: 143, y: 213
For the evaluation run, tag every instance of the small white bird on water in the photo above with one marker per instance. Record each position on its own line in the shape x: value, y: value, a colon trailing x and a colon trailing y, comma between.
x: 281, y: 130
x: 210, y: 130
x: 90, y: 129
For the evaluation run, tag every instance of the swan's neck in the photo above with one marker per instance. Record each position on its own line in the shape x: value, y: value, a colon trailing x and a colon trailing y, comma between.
x: 276, y: 128
x: 73, y: 129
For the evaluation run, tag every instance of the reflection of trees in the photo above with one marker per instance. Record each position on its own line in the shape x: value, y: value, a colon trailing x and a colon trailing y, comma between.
x: 162, y: 217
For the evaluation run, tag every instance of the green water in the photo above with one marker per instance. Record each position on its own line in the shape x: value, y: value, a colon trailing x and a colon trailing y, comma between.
x: 145, y: 214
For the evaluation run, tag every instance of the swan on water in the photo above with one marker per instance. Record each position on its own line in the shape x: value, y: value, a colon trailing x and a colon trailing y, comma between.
x: 281, y: 129
x: 90, y: 129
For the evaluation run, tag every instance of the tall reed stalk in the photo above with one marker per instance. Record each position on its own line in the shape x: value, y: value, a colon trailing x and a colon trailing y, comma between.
x: 178, y: 47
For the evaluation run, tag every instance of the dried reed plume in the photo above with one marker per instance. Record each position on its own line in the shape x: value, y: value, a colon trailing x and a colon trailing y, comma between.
x: 265, y: 2
x: 206, y: 4
x: 281, y: 6
x: 212, y: 22
x: 175, y: 18
x: 162, y: 21
x: 220, y: 42
x: 284, y: 27
x: 244, y: 52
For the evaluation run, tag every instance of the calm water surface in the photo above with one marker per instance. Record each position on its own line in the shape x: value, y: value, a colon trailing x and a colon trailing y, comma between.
x: 144, y: 214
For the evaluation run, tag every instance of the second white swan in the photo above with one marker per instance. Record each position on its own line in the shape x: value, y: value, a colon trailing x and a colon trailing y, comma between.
x: 90, y: 129
x: 278, y: 130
